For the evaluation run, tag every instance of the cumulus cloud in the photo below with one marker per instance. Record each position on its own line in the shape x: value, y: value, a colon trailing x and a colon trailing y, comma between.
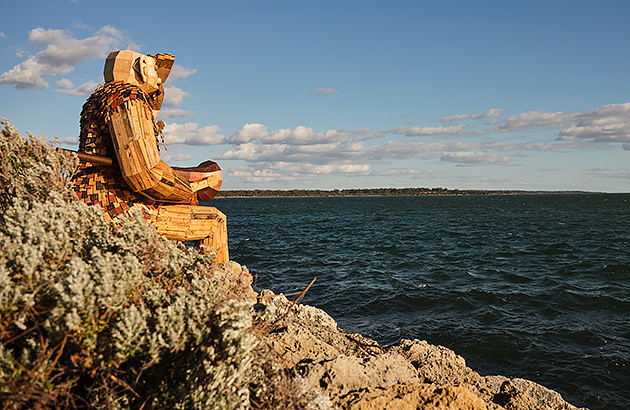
x: 61, y: 54
x: 533, y: 119
x: 176, y: 158
x: 64, y: 83
x: 248, y: 133
x: 179, y: 71
x: 346, y: 152
x: 526, y: 146
x: 2, y: 35
x: 257, y: 153
x: 291, y: 172
x: 405, y: 150
x: 320, y: 169
x: 84, y: 90
x: 191, y: 134
x: 173, y: 96
x: 73, y: 139
x: 425, y: 131
x: 300, y: 135
x: 493, y: 112
x: 467, y: 159
x: 255, y: 143
x: 326, y: 91
x: 175, y: 113
x: 249, y: 174
x: 610, y: 123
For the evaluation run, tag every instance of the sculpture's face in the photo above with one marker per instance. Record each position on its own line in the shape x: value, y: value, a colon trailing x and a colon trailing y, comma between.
x: 146, y: 68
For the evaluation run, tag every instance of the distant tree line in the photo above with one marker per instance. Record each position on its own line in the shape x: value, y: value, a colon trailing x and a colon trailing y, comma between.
x: 358, y: 192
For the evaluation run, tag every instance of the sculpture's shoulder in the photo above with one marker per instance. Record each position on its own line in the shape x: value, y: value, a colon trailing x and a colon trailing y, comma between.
x: 112, y: 95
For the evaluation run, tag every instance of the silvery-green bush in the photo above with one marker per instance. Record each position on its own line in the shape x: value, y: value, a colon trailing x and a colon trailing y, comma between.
x: 96, y: 316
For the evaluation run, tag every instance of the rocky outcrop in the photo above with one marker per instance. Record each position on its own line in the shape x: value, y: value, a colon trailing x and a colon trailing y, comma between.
x: 348, y: 371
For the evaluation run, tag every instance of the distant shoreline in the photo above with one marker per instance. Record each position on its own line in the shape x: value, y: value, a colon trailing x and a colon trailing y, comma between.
x: 379, y: 192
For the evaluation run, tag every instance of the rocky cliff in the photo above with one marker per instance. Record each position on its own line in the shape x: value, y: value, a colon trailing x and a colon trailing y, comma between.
x: 348, y: 371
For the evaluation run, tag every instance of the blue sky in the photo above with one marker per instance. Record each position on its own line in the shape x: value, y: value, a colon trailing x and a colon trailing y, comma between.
x: 349, y: 94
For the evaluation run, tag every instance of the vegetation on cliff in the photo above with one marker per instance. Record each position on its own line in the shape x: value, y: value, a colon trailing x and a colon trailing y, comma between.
x: 95, y: 316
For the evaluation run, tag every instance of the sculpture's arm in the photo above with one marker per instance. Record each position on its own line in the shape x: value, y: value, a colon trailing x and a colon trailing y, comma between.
x: 131, y: 128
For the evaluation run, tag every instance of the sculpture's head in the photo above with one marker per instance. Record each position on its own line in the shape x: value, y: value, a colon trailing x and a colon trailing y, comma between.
x: 148, y: 72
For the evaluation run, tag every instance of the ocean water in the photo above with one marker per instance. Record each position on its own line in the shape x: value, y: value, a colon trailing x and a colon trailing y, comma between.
x: 531, y: 286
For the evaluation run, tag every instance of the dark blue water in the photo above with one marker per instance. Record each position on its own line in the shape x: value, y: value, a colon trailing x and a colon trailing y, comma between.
x: 531, y: 286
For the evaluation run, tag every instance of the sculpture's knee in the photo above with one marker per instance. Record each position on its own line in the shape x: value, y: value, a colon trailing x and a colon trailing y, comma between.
x: 217, y: 240
x: 216, y: 231
x: 206, y: 225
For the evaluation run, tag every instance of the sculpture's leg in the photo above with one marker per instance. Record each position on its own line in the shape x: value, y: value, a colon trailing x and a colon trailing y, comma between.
x: 204, y: 224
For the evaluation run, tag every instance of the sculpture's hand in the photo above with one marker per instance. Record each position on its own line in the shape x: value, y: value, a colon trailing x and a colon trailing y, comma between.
x: 205, y: 179
x: 210, y: 181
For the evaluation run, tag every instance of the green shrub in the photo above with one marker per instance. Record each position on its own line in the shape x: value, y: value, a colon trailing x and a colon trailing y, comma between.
x: 92, y: 316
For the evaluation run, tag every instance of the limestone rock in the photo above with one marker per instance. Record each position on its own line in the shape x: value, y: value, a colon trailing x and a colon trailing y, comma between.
x: 350, y: 371
x: 521, y: 394
x: 344, y: 374
x: 236, y: 278
x: 412, y: 396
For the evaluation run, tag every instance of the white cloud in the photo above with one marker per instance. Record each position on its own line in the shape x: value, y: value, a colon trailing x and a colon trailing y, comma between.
x: 112, y: 31
x: 318, y: 169
x: 404, y: 150
x: 84, y: 90
x: 527, y: 146
x: 532, y: 119
x: 2, y: 35
x: 291, y: 172
x: 610, y: 123
x: 248, y: 174
x: 173, y: 96
x: 64, y: 83
x: 257, y: 153
x: 175, y: 158
x: 248, y: 133
x: 191, y: 134
x: 424, y: 131
x: 61, y: 54
x: 326, y: 91
x: 493, y: 112
x: 176, y: 113
x: 302, y: 135
x: 540, y: 146
x: 178, y: 72
x: 312, y: 154
x: 74, y: 139
x: 344, y: 169
x: 474, y: 158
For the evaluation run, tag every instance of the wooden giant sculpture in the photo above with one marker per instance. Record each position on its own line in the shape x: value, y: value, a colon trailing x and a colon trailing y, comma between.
x: 118, y: 122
